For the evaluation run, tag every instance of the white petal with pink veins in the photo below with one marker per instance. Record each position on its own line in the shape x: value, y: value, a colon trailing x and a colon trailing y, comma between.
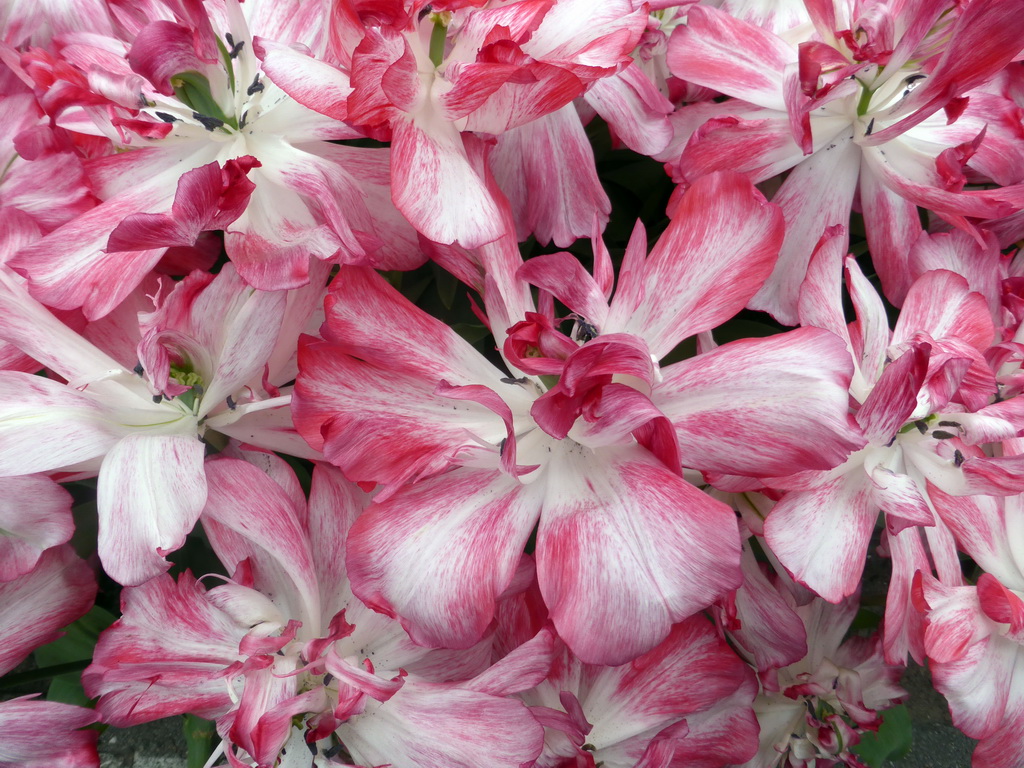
x: 151, y: 491
x: 626, y: 548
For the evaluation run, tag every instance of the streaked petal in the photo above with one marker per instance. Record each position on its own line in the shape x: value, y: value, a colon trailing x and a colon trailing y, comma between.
x: 35, y: 514
x: 35, y: 606
x: 626, y: 548
x: 151, y: 491
x: 165, y: 656
x: 718, y: 51
x: 821, y: 535
x: 722, y: 242
x: 438, y: 553
x: 727, y: 421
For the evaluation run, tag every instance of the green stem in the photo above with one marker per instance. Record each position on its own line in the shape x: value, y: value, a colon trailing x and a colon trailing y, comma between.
x: 437, y: 40
x: 44, y: 673
x: 865, y: 101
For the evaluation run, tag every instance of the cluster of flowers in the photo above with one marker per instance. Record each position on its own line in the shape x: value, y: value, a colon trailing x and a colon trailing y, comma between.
x: 585, y: 548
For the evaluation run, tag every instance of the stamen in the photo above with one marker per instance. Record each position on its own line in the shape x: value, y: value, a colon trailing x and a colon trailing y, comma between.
x: 236, y: 48
x: 209, y: 123
x: 166, y: 117
x: 256, y: 86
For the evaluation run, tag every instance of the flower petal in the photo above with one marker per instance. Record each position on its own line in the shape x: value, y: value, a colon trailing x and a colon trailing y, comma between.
x: 626, y: 548
x: 151, y: 491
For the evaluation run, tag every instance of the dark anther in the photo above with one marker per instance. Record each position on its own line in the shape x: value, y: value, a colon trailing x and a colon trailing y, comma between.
x: 139, y: 370
x: 424, y: 12
x: 585, y: 331
x: 950, y: 424
x: 922, y: 426
x: 958, y: 459
x: 209, y: 123
x: 510, y: 380
x: 870, y: 128
x: 914, y: 78
x: 501, y: 446
x: 157, y: 398
x: 938, y: 434
x: 256, y: 86
x: 312, y: 747
x: 333, y: 752
x: 328, y: 678
x: 231, y: 403
x: 166, y: 118
x: 241, y: 122
x: 236, y: 48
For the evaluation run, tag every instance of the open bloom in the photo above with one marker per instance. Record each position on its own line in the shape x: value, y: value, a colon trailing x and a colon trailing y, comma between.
x: 427, y: 76
x: 921, y: 394
x: 585, y: 439
x: 135, y: 414
x: 974, y: 633
x: 818, y: 693
x: 877, y: 103
x: 283, y: 644
x: 181, y: 87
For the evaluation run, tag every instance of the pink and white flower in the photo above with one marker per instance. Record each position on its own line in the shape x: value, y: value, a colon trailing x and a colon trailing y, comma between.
x: 471, y: 459
x: 875, y: 103
x: 284, y: 641
x: 215, y: 145
x: 135, y: 417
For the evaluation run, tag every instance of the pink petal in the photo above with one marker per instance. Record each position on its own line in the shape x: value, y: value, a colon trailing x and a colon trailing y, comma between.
x: 625, y: 549
x: 45, y: 425
x: 770, y: 631
x: 435, y: 186
x: 726, y: 420
x: 21, y: 722
x: 894, y: 397
x: 816, y: 195
x: 439, y: 552
x: 561, y: 275
x: 151, y: 491
x: 720, y: 245
x: 165, y: 656
x: 35, y: 605
x: 35, y: 514
x: 250, y: 517
x: 634, y: 109
x: 207, y: 197
x: 633, y: 698
x: 546, y: 168
x: 315, y: 84
x: 821, y: 535
x: 731, y: 56
x: 163, y: 49
x: 334, y: 504
x: 426, y: 725
x: 940, y: 303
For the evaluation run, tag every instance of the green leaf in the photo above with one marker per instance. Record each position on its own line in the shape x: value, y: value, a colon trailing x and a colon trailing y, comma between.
x: 892, y: 741
x: 76, y: 645
x: 199, y: 737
